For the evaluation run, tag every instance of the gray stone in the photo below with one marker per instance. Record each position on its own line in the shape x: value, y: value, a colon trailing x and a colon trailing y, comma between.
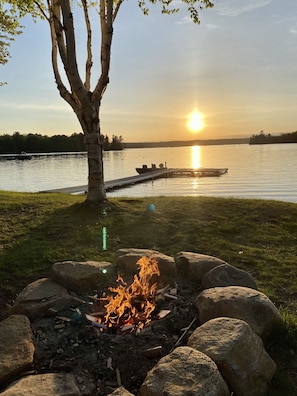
x: 166, y: 264
x: 127, y: 262
x: 239, y: 302
x: 121, y: 391
x: 82, y: 276
x: 16, y: 347
x: 51, y: 384
x: 36, y: 298
x: 227, y: 275
x: 196, y: 265
x: 185, y: 371
x: 239, y: 354
x: 126, y: 259
x: 136, y: 251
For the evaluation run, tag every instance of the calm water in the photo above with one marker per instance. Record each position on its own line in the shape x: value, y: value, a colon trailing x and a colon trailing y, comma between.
x: 265, y: 171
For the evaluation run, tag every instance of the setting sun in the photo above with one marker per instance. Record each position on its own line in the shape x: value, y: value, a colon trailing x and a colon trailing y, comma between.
x: 195, y: 121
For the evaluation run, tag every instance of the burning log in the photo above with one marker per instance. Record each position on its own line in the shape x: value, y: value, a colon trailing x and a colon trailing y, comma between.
x: 130, y: 308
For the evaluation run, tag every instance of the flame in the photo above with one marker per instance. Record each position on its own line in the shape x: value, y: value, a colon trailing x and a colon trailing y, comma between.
x: 131, y: 306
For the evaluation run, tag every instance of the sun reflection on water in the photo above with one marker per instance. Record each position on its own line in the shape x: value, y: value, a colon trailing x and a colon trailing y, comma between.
x: 196, y: 157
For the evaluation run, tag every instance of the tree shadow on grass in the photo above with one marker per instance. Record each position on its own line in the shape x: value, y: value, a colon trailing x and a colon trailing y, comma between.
x: 69, y: 233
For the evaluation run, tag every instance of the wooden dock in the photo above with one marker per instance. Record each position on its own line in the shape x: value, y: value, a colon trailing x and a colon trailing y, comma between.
x: 156, y: 174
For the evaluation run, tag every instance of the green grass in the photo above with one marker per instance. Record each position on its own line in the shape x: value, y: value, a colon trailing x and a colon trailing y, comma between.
x: 37, y: 230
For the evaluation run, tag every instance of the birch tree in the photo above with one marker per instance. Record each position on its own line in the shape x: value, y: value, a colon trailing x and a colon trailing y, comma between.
x: 75, y: 86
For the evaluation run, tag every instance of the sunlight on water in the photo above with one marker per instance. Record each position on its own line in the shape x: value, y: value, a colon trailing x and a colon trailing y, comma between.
x: 196, y: 154
x: 266, y: 172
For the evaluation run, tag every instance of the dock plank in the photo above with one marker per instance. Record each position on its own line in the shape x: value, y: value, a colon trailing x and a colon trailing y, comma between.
x: 156, y: 174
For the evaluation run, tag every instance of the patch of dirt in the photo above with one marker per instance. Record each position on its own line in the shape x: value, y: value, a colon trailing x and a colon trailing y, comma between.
x: 103, y: 361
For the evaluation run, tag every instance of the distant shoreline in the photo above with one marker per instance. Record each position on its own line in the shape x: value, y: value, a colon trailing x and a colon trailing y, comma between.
x: 173, y: 143
x: 182, y: 143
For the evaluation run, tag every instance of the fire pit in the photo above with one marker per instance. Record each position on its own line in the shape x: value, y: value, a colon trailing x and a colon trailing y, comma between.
x: 117, y: 335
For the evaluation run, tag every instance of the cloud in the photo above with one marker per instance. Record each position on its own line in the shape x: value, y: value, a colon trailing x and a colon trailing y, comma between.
x: 186, y: 20
x: 33, y: 106
x: 210, y: 26
x: 234, y: 7
x: 293, y: 30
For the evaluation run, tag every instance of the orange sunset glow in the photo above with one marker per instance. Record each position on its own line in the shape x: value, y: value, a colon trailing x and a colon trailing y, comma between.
x: 195, y: 121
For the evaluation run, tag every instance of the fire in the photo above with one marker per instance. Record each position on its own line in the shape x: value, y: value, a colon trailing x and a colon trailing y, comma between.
x: 131, y: 307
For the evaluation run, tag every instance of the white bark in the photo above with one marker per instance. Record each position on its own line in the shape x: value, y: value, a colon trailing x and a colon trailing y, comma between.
x: 85, y: 104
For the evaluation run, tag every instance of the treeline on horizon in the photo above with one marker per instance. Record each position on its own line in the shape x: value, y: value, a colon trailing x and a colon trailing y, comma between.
x: 263, y: 138
x: 36, y: 143
x: 182, y: 143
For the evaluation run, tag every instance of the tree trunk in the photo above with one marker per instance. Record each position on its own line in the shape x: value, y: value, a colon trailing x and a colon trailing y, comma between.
x: 85, y: 104
x: 96, y: 191
x: 89, y: 120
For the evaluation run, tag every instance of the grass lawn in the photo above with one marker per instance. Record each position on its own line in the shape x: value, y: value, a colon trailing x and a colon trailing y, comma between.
x: 258, y: 236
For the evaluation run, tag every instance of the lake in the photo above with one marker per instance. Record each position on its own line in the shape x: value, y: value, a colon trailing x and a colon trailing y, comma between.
x: 256, y: 171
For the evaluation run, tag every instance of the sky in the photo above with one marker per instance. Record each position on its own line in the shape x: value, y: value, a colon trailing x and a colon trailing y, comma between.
x: 237, y: 69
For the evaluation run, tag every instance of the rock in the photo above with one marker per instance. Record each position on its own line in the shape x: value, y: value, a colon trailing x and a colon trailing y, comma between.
x: 121, y: 391
x: 166, y: 264
x: 81, y: 276
x: 227, y: 275
x: 195, y: 265
x: 185, y: 371
x: 127, y: 261
x: 36, y: 298
x: 16, y: 347
x: 136, y: 251
x: 52, y: 384
x: 239, y: 354
x: 239, y: 302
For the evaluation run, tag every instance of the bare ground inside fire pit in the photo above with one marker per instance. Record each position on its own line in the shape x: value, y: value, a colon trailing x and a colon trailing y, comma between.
x: 102, y: 361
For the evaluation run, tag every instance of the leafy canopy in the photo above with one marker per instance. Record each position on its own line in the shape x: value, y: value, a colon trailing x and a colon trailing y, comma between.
x: 9, y: 28
x: 41, y: 7
x: 11, y: 11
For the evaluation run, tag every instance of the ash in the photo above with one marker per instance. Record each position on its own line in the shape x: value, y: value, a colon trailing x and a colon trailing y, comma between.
x: 101, y: 361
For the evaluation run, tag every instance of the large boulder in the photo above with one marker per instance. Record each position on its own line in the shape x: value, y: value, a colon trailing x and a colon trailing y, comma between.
x: 227, y: 275
x: 16, y: 347
x: 185, y: 371
x: 239, y: 354
x: 127, y: 261
x: 37, y: 297
x: 51, y: 384
x: 195, y: 265
x: 137, y: 251
x: 166, y: 264
x: 81, y: 276
x: 244, y: 303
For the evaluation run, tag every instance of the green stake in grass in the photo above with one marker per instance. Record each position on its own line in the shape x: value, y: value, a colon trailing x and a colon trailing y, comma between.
x: 104, y: 235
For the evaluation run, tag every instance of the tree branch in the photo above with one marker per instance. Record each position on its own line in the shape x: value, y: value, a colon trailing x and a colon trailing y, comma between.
x: 65, y: 94
x: 116, y: 9
x: 89, y: 62
x: 106, y: 23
